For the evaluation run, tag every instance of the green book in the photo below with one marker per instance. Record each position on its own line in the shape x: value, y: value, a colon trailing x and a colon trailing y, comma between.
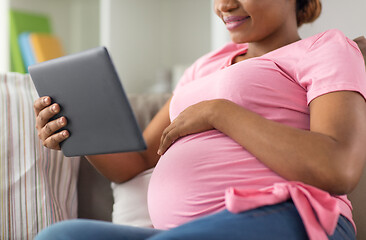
x: 24, y: 22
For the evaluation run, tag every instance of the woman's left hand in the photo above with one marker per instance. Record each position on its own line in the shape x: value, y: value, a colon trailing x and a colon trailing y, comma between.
x: 193, y: 119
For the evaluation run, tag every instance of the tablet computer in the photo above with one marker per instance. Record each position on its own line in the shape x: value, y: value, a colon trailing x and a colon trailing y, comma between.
x: 90, y: 94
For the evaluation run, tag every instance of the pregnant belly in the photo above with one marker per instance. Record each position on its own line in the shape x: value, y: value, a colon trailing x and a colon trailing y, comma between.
x: 191, y: 177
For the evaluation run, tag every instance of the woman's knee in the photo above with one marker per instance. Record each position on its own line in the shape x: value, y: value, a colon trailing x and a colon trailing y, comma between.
x: 84, y: 229
x: 69, y: 229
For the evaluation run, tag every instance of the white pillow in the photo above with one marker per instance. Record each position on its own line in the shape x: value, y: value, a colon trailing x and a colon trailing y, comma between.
x: 130, y: 201
x: 37, y: 185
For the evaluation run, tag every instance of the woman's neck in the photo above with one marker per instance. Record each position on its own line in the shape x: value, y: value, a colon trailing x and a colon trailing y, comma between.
x: 256, y: 49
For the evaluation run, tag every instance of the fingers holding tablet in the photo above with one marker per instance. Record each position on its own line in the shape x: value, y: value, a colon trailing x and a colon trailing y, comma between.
x: 47, y: 130
x: 54, y: 140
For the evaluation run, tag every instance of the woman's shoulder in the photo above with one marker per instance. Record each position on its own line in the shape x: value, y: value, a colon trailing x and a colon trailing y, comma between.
x: 331, y: 39
x: 329, y: 33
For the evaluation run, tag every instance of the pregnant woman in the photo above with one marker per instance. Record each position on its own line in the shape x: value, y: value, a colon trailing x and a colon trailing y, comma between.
x: 262, y: 138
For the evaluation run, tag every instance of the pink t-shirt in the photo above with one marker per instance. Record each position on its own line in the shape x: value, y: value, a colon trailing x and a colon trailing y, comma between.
x: 191, y: 178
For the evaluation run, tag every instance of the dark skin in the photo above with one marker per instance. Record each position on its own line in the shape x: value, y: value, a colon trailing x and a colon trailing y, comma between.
x: 361, y: 42
x: 330, y: 156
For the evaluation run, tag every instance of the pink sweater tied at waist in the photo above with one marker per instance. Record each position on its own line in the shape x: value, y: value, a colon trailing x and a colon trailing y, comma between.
x: 318, y: 210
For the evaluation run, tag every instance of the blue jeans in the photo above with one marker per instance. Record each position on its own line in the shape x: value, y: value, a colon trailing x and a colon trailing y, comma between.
x: 280, y: 221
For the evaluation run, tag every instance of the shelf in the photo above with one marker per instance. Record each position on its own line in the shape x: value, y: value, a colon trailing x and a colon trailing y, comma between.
x: 147, y: 39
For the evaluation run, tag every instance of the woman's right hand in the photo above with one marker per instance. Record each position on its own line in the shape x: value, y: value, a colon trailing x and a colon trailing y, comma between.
x: 46, y: 129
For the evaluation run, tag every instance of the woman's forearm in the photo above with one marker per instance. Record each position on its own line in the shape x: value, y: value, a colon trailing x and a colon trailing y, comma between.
x: 290, y: 152
x: 119, y: 167
x: 298, y: 155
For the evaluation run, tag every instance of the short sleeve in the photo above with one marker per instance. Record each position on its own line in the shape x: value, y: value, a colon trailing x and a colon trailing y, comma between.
x: 332, y: 63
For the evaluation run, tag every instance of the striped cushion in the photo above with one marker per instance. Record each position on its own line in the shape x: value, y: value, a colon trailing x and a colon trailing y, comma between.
x: 37, y: 185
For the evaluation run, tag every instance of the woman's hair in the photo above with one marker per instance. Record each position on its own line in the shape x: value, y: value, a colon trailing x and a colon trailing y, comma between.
x: 307, y: 11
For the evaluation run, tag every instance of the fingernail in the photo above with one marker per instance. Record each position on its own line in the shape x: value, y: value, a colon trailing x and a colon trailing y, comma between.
x: 45, y: 100
x: 61, y: 121
x: 54, y: 108
x: 65, y: 134
x: 159, y: 152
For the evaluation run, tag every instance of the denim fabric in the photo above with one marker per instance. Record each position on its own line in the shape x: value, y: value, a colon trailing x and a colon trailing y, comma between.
x: 344, y: 230
x: 280, y: 221
x: 83, y: 229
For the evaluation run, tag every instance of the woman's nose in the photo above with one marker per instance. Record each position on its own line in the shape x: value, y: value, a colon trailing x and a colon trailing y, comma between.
x: 226, y: 5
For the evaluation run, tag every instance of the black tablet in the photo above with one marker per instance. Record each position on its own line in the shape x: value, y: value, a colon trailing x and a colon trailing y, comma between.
x: 90, y: 94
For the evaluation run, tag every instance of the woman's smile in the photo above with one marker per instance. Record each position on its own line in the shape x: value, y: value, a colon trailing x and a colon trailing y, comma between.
x: 233, y: 22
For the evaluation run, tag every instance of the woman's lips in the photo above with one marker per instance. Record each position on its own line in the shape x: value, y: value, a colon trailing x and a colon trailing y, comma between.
x: 232, y: 22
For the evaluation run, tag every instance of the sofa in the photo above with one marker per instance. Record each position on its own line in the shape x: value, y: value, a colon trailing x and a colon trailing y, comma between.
x: 39, y: 186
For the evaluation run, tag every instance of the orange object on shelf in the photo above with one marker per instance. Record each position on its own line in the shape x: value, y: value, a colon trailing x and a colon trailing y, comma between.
x: 46, y: 46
